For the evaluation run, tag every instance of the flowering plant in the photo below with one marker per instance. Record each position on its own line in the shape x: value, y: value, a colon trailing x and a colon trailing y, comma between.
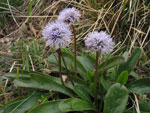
x: 88, y: 82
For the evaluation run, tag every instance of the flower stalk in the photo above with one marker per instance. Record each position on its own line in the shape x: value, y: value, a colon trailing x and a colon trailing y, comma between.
x: 69, y: 16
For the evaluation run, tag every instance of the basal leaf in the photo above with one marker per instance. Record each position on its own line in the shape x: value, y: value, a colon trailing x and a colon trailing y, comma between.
x: 131, y: 62
x: 140, y: 86
x: 38, y: 81
x: 82, y: 92
x: 116, y: 99
x: 135, y: 75
x: 22, y: 105
x: 114, y: 61
x: 123, y: 78
x: 13, y: 75
x: 75, y: 104
x: 48, y: 107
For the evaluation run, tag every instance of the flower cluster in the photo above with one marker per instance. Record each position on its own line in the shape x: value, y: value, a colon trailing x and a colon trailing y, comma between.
x: 57, y: 34
x: 69, y: 15
x: 99, y: 41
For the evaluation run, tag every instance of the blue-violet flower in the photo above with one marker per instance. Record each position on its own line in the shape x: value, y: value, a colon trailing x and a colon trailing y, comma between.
x: 99, y: 41
x: 58, y: 34
x: 69, y: 15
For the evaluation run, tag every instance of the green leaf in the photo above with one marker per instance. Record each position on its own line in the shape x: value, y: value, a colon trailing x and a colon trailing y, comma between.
x: 105, y: 83
x: 124, y: 6
x: 83, y: 83
x: 107, y: 80
x: 56, y: 79
x: 123, y: 78
x: 134, y: 111
x: 114, y: 61
x: 116, y: 99
x: 131, y: 62
x: 135, y: 75
x: 38, y: 81
x: 75, y: 104
x: 81, y: 92
x: 22, y: 105
x: 52, y: 60
x: 87, y: 62
x: 48, y: 107
x: 131, y: 111
x: 80, y: 81
x: 125, y: 55
x: 26, y: 75
x: 69, y: 58
x: 80, y: 67
x: 1, y: 78
x: 92, y: 87
x: 13, y: 75
x: 140, y: 86
x: 66, y: 105
x: 81, y: 105
x: 10, y: 105
x: 90, y: 76
x: 145, y: 107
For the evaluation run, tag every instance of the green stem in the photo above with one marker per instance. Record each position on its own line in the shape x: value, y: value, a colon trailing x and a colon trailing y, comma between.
x: 59, y: 58
x: 95, y: 78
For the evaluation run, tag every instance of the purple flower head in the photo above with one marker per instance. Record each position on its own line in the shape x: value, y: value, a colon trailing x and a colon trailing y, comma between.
x: 57, y: 34
x: 69, y: 15
x: 99, y: 41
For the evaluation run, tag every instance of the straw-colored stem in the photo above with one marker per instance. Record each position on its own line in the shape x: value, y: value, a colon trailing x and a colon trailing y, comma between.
x: 4, y: 93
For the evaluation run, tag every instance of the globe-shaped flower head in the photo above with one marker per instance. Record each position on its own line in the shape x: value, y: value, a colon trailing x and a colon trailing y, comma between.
x: 57, y: 34
x: 69, y: 15
x: 99, y: 41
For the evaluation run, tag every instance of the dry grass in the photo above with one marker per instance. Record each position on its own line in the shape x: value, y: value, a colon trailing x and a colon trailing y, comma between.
x: 126, y: 20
